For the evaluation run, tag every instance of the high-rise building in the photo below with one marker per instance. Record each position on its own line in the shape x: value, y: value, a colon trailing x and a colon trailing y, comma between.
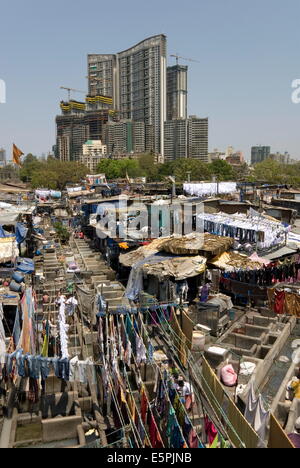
x: 177, y: 92
x: 124, y: 138
x: 72, y: 133
x: 186, y: 138
x: 198, y: 138
x: 176, y: 139
x: 103, y: 76
x: 79, y: 122
x: 136, y: 81
x: 2, y: 157
x: 260, y: 154
x: 284, y: 158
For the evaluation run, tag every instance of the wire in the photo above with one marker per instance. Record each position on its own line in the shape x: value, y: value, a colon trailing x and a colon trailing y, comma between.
x: 191, y: 361
x: 162, y: 380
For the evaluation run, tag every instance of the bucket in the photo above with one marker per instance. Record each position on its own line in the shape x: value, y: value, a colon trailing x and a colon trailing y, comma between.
x: 198, y: 341
x: 231, y: 315
x: 15, y: 287
x: 17, y: 277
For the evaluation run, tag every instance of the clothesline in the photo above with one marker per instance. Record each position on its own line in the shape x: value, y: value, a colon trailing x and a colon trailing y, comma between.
x: 159, y: 370
x: 197, y: 371
x: 247, y: 229
x: 209, y: 188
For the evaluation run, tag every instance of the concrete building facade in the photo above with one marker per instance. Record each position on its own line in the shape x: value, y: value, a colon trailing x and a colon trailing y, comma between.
x: 72, y: 133
x: 136, y: 80
x: 236, y: 158
x: 177, y: 92
x: 92, y: 153
x: 260, y: 154
x: 186, y: 138
x: 125, y: 138
x: 198, y: 138
x: 176, y: 139
x: 79, y: 122
x: 284, y: 158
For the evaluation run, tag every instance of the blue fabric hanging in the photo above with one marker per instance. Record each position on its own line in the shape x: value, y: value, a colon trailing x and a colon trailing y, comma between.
x: 17, y: 328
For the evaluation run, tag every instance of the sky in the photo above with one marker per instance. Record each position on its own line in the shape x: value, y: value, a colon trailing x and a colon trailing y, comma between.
x: 248, y: 54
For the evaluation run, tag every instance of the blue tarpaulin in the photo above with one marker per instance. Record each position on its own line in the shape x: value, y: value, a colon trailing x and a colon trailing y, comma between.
x: 21, y: 232
x: 4, y: 233
x: 25, y: 265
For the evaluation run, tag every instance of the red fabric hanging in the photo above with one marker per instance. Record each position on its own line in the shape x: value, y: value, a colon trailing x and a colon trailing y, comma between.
x: 210, y: 430
x: 279, y: 298
x: 155, y: 438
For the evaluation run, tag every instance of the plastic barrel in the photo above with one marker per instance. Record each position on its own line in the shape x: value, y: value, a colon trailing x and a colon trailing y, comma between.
x: 15, y: 287
x: 17, y: 277
x: 198, y: 341
x: 232, y: 315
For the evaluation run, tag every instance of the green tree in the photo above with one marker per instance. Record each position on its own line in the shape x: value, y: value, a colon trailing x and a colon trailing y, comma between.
x: 54, y: 174
x: 31, y: 164
x: 222, y: 170
x: 110, y: 167
x: 62, y: 232
x: 241, y: 172
x: 44, y: 178
x: 116, y: 169
x: 269, y: 171
x: 148, y: 168
x: 180, y: 168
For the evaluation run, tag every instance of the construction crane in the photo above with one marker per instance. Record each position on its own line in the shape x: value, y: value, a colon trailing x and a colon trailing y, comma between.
x: 183, y: 58
x: 71, y: 89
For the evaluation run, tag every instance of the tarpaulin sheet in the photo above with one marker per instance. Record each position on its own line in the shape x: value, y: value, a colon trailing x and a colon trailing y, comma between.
x: 163, y: 266
x: 4, y: 234
x: 21, y: 233
x: 8, y: 219
x: 230, y: 261
x: 26, y: 266
x: 8, y: 249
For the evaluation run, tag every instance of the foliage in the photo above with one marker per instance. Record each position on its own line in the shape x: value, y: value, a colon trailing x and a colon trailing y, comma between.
x: 222, y: 170
x: 273, y: 172
x: 62, y: 232
x: 145, y: 166
x: 241, y: 173
x: 52, y: 174
x: 31, y: 165
x: 115, y: 169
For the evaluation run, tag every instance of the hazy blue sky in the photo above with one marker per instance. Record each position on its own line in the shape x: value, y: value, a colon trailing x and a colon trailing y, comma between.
x: 248, y: 53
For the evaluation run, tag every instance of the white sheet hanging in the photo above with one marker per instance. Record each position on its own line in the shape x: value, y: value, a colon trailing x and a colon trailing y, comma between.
x: 63, y: 328
x: 213, y: 188
x: 2, y: 333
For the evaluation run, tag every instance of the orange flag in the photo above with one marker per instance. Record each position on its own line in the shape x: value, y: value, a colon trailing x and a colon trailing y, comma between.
x: 17, y: 153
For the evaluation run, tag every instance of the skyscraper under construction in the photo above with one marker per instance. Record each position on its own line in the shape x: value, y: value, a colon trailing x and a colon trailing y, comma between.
x: 136, y: 81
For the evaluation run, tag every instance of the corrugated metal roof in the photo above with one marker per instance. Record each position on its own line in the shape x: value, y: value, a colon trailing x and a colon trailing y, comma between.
x: 283, y: 252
